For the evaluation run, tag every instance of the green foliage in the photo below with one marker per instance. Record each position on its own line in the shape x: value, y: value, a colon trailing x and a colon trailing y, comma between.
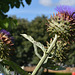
x: 8, y: 23
x: 5, y: 7
x: 71, y: 55
x: 22, y: 52
x: 15, y: 67
x: 4, y: 70
x: 23, y: 48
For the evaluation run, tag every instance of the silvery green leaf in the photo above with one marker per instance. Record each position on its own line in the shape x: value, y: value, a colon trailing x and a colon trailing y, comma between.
x: 38, y: 44
x: 15, y: 67
x: 36, y: 52
x: 28, y: 37
x: 4, y: 70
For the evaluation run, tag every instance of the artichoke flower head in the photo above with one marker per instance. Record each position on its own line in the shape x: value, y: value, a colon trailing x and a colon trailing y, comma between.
x: 6, y: 43
x: 63, y: 24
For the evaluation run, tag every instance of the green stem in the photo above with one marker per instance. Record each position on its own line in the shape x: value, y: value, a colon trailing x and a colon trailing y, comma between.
x: 40, y: 71
x: 44, y: 56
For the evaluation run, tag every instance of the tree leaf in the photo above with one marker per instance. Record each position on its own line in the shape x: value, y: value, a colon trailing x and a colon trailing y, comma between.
x: 5, y: 8
x: 28, y: 2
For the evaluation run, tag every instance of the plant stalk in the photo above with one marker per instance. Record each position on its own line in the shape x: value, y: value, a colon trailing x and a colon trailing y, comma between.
x: 44, y: 56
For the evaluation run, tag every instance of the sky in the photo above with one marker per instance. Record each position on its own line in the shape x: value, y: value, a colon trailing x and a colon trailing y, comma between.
x: 38, y: 8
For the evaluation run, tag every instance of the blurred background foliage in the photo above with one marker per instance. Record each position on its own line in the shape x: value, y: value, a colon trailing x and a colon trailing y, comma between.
x: 23, y: 48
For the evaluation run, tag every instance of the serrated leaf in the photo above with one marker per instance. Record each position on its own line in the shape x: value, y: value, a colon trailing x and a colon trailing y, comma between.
x: 15, y: 67
x: 4, y: 70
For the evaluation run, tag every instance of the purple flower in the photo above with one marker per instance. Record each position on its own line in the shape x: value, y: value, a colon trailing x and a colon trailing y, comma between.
x: 6, y: 37
x: 5, y: 32
x: 69, y: 10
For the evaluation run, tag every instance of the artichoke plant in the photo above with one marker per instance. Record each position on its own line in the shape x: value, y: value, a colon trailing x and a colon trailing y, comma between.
x: 6, y: 43
x: 63, y: 24
x: 6, y: 53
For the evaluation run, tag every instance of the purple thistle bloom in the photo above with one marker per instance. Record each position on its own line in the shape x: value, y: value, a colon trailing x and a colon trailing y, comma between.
x: 69, y: 10
x: 6, y: 36
x: 5, y: 32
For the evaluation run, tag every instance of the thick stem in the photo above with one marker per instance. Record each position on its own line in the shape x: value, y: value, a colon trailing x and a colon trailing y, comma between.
x: 44, y: 56
x: 40, y: 71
